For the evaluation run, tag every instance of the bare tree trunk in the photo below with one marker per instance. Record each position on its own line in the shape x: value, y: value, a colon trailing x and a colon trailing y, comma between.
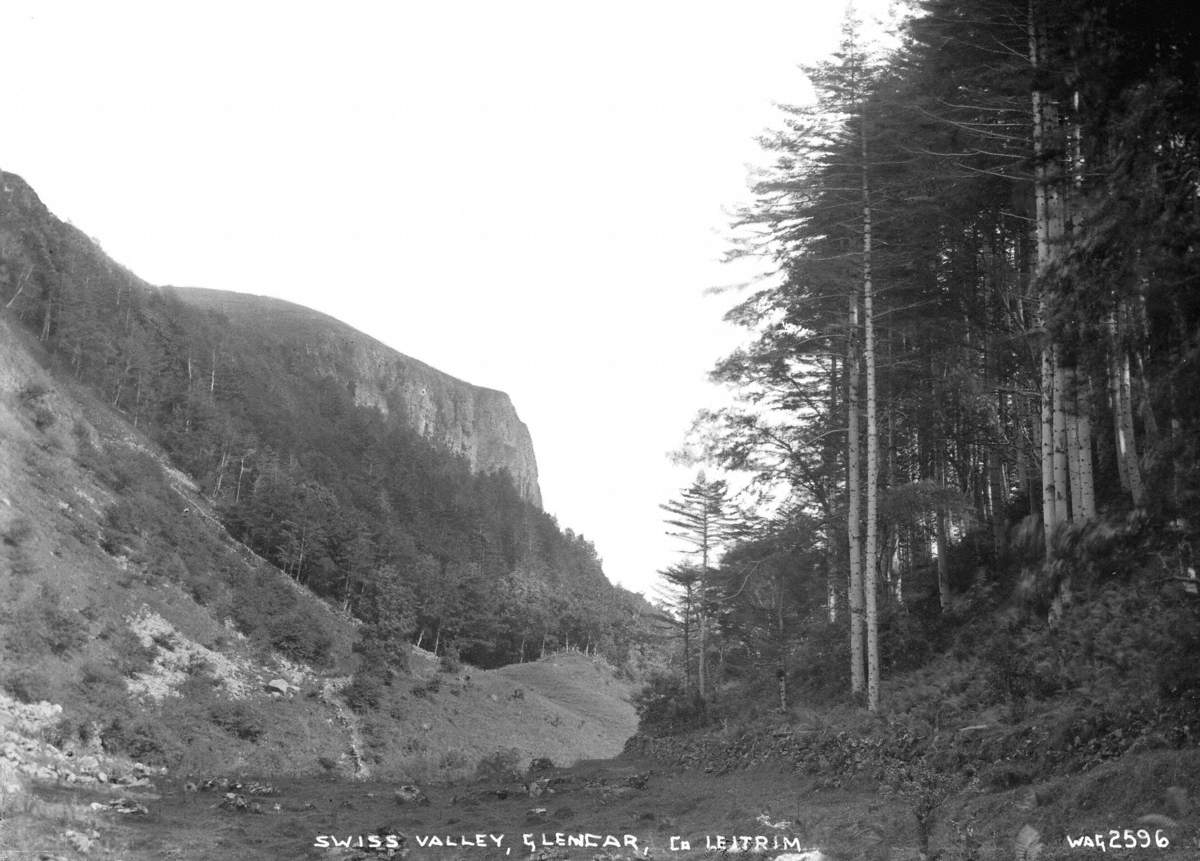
x: 1114, y: 401
x: 1044, y: 218
x: 1062, y: 511
x: 870, y: 560
x: 1087, y: 482
x: 854, y: 515
x: 1123, y: 416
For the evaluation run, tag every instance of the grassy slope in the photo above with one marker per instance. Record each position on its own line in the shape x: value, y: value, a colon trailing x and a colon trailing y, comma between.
x: 61, y: 453
x: 54, y: 506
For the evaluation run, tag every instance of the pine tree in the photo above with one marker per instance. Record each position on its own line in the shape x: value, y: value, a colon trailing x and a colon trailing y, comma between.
x: 702, y: 519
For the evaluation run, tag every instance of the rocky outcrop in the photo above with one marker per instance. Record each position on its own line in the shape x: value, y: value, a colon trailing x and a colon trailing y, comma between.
x: 478, y: 424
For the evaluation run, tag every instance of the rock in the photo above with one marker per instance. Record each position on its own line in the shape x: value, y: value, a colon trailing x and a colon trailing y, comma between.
x: 279, y: 687
x: 410, y: 794
x: 121, y: 805
x: 234, y: 801
x: 537, y: 788
x: 81, y: 843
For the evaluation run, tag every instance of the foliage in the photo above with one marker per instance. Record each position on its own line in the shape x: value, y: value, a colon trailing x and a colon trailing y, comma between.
x: 27, y: 684
x: 335, y: 494
x: 663, y: 707
x: 42, y: 625
x: 500, y: 766
x: 239, y: 718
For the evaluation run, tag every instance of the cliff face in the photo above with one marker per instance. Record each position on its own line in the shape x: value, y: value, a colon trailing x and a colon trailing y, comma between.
x: 41, y: 258
x: 478, y: 424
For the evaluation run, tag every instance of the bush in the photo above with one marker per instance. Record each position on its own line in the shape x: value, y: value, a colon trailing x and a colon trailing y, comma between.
x: 365, y: 691
x: 143, y: 739
x: 42, y: 625
x: 450, y: 662
x: 300, y: 636
x: 32, y: 397
x: 500, y: 767
x: 662, y: 705
x: 27, y: 685
x: 239, y: 719
x: 130, y: 657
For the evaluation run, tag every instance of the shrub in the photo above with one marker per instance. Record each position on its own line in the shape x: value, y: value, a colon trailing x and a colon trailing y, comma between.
x: 32, y: 397
x: 662, y: 705
x: 143, y: 739
x: 365, y: 691
x: 27, y: 685
x: 450, y: 662
x: 239, y: 719
x: 130, y: 657
x: 42, y: 625
x: 500, y: 766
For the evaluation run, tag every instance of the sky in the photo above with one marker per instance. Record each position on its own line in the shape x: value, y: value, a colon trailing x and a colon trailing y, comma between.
x: 530, y: 196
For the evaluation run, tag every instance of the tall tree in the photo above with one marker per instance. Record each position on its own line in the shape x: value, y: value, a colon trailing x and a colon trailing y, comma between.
x: 702, y: 519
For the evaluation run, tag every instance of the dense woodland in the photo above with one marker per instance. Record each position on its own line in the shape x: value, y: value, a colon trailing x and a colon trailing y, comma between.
x: 364, y: 512
x: 974, y: 378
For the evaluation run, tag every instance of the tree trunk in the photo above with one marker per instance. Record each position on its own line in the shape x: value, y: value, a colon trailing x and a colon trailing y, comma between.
x: 1087, y: 482
x: 1043, y: 193
x: 1123, y: 417
x: 870, y: 562
x: 1062, y: 512
x: 854, y: 514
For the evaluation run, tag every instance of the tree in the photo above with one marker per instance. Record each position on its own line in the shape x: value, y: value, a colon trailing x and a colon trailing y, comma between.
x: 700, y: 517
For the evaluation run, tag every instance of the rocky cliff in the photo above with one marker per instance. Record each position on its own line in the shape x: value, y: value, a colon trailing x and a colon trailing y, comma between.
x: 50, y: 271
x: 475, y: 423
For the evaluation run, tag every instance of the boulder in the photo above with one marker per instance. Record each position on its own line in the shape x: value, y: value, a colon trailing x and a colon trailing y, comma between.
x: 279, y: 687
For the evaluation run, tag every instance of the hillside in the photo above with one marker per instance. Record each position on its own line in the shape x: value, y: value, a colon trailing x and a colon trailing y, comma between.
x: 143, y: 646
x: 477, y: 424
x: 395, y: 492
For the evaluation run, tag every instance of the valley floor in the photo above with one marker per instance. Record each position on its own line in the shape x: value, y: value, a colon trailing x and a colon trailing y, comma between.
x: 622, y: 808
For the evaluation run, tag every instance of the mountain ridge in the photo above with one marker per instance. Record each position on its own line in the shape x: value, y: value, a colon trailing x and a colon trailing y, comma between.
x: 475, y: 422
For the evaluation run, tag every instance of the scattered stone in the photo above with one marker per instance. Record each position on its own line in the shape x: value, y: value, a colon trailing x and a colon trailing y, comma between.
x: 81, y: 843
x: 256, y: 788
x: 410, y: 794
x: 765, y: 820
x: 234, y: 801
x: 121, y: 805
x: 538, y: 788
x: 637, y: 781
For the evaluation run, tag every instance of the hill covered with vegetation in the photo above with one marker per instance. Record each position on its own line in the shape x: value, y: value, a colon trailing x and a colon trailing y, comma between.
x: 391, y: 491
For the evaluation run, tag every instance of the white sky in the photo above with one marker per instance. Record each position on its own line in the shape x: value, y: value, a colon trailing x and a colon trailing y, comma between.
x: 531, y: 196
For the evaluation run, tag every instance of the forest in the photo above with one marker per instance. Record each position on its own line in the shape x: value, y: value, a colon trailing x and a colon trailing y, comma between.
x: 968, y: 393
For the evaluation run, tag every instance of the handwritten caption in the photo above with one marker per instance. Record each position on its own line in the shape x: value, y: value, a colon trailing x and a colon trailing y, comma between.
x: 529, y: 842
x: 1119, y: 838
